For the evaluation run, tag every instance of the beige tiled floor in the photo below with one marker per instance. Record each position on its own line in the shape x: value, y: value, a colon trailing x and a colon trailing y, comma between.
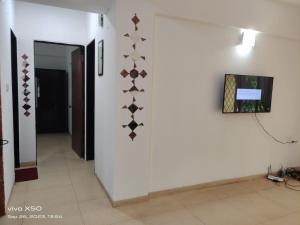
x: 67, y: 187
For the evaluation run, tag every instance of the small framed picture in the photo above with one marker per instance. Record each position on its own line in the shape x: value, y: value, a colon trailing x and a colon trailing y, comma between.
x: 100, y: 57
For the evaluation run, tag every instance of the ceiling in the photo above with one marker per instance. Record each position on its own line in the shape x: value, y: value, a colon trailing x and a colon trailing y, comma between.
x: 100, y: 6
x: 96, y: 6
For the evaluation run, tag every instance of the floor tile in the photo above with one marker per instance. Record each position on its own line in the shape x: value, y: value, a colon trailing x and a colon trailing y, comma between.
x: 130, y: 222
x: 62, y: 215
x: 5, y: 220
x: 51, y: 197
x: 221, y: 213
x: 96, y: 214
x: 283, y: 196
x: 177, y: 217
x: 194, y: 197
x: 151, y: 207
x: 292, y: 219
x: 88, y: 190
x: 50, y: 180
x: 257, y: 207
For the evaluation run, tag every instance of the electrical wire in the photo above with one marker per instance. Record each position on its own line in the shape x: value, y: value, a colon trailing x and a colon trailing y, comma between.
x: 290, y: 186
x: 270, y: 135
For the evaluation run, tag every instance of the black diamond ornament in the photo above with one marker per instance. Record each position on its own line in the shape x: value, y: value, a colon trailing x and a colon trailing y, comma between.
x: 132, y: 108
x: 133, y: 125
x: 26, y: 107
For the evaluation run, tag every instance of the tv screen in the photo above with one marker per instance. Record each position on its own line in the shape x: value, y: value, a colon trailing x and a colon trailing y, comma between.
x: 247, y: 94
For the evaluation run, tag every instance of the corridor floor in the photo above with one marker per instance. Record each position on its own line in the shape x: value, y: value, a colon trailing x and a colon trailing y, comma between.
x: 68, y: 190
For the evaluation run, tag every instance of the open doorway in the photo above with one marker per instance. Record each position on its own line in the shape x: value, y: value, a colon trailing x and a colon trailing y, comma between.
x: 60, y: 94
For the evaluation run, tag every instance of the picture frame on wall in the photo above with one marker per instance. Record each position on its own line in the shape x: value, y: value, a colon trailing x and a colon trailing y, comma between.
x: 100, y: 57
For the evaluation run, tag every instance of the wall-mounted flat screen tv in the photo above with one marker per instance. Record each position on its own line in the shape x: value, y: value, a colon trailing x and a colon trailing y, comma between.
x: 247, y: 94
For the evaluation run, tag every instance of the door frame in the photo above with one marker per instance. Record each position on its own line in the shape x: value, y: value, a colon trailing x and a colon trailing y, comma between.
x: 84, y: 87
x: 90, y: 99
x: 15, y: 96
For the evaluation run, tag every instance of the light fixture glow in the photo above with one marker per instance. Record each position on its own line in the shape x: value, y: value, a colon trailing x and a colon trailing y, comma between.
x: 249, y: 37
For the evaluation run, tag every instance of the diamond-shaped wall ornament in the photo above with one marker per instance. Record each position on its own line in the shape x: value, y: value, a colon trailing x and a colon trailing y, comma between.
x: 26, y: 107
x: 124, y: 73
x: 135, y: 19
x: 143, y: 73
x: 26, y: 78
x: 132, y: 125
x: 26, y: 99
x: 133, y: 74
x: 132, y: 135
x: 25, y: 84
x: 132, y: 108
x: 25, y: 71
x: 24, y: 56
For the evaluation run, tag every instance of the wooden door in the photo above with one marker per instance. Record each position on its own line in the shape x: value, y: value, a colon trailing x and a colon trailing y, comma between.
x: 78, y: 101
x: 52, y: 101
x: 90, y: 100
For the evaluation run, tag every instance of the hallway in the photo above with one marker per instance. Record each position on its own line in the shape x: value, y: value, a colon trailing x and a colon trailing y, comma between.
x: 66, y: 186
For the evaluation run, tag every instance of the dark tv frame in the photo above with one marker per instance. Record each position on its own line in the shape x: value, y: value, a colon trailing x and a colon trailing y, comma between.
x: 249, y: 76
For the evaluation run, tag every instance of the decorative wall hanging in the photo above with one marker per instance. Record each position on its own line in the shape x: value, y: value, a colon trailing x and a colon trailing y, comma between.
x: 25, y: 85
x: 100, y: 57
x: 134, y: 73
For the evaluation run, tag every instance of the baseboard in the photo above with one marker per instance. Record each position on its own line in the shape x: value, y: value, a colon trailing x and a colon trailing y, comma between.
x: 205, y: 185
x: 131, y: 201
x: 178, y: 190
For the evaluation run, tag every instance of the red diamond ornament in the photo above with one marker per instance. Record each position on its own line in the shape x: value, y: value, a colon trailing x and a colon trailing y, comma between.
x: 135, y: 19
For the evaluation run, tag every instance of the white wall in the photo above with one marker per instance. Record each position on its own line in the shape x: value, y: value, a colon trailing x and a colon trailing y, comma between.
x: 43, y: 23
x: 186, y: 139
x: 192, y: 141
x: 269, y: 16
x: 106, y: 104
x: 49, y: 56
x: 6, y: 23
x: 133, y: 157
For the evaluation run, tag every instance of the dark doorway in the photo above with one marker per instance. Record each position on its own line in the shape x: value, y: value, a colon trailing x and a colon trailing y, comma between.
x: 90, y: 101
x: 52, y: 101
x: 78, y: 101
x: 60, y: 92
x: 15, y: 96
